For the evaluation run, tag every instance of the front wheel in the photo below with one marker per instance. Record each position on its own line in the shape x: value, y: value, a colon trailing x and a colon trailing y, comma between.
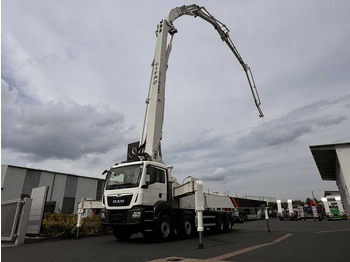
x: 121, y: 234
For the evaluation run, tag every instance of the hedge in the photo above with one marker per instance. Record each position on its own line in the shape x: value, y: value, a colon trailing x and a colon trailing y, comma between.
x: 64, y: 225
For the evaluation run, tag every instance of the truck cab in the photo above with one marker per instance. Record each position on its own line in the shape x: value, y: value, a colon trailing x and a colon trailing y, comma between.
x: 134, y: 186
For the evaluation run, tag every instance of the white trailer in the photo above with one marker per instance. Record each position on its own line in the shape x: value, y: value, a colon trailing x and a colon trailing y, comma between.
x: 334, y: 211
x: 289, y: 214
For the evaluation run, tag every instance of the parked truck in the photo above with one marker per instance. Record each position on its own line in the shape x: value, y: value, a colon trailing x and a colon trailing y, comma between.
x: 334, y: 208
x: 312, y: 210
x: 141, y: 195
x: 249, y: 209
x: 290, y: 214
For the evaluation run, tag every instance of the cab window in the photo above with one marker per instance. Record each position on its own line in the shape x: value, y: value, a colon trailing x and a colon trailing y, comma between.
x: 154, y: 175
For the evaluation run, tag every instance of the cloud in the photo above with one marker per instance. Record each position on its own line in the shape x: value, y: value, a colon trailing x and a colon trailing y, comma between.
x: 309, y: 119
x: 58, y: 130
x: 225, y: 158
x: 218, y: 175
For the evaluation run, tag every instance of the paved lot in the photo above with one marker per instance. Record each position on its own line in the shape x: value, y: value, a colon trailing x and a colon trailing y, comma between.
x: 287, y: 241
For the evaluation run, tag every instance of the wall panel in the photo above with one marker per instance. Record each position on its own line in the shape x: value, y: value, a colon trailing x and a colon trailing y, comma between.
x: 86, y: 187
x: 13, y: 183
x: 47, y: 179
x: 58, y: 191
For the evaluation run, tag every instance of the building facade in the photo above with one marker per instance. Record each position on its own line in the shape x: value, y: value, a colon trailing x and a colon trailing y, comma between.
x: 333, y: 163
x: 65, y: 190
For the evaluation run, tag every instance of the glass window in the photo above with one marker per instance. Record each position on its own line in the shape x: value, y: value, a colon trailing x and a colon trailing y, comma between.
x: 155, y: 175
x: 99, y: 191
x: 124, y: 177
x: 69, y: 194
x: 71, y: 186
x: 31, y: 181
x: 68, y: 205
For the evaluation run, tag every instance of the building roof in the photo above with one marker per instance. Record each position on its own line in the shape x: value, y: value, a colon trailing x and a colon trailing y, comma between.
x: 325, y: 158
x: 331, y: 193
x: 49, y: 171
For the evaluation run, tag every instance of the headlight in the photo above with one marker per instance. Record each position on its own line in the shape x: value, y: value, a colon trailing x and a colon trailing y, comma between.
x: 136, y: 214
x: 102, y: 215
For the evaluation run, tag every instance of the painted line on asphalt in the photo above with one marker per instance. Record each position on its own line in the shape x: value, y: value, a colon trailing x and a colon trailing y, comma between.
x: 248, y: 249
x: 224, y: 256
x: 331, y: 231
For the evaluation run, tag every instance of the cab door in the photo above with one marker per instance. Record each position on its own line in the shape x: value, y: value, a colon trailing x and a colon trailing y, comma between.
x: 156, y: 185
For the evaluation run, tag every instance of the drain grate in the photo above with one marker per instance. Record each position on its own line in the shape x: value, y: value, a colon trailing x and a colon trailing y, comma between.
x: 174, y: 259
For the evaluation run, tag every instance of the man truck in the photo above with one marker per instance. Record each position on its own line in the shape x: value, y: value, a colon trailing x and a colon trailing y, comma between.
x: 141, y: 195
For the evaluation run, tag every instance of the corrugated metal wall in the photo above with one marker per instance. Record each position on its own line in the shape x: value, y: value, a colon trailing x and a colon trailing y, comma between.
x: 58, y: 191
x: 3, y: 174
x: 86, y: 188
x: 13, y: 183
x: 47, y: 179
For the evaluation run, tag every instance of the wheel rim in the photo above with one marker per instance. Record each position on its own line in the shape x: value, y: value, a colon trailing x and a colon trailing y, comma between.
x: 229, y: 224
x: 221, y: 224
x: 165, y: 228
x: 188, y: 227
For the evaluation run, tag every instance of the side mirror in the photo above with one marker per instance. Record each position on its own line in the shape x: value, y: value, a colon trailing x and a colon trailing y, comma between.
x: 144, y: 186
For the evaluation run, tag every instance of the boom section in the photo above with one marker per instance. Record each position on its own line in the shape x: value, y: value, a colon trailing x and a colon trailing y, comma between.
x: 154, y: 114
x: 195, y: 10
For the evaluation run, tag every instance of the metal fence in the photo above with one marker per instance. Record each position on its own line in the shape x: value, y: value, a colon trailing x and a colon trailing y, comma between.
x: 14, y: 219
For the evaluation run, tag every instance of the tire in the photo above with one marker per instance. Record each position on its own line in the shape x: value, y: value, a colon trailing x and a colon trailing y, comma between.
x: 187, y: 227
x: 121, y: 233
x: 228, y: 224
x: 165, y: 228
x: 220, y: 226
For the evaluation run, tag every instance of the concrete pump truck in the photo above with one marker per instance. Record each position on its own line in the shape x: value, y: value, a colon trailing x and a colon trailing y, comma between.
x: 140, y: 194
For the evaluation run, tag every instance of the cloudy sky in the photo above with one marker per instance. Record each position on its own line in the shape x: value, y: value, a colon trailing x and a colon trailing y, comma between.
x: 75, y: 77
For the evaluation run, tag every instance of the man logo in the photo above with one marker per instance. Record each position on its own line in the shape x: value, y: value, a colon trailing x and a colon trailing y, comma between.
x: 118, y: 201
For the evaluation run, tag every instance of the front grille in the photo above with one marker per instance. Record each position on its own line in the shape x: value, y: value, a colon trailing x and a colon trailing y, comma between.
x: 119, y: 217
x: 119, y: 200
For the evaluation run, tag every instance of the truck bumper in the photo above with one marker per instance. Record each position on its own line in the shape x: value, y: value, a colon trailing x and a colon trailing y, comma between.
x: 134, y: 216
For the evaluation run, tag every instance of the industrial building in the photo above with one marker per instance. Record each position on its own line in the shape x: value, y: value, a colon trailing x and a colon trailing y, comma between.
x: 65, y: 190
x: 333, y: 163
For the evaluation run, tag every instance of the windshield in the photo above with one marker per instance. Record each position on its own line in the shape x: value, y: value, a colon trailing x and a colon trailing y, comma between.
x: 124, y: 177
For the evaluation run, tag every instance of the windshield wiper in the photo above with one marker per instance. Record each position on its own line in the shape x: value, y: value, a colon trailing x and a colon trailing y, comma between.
x: 127, y: 185
x: 114, y: 186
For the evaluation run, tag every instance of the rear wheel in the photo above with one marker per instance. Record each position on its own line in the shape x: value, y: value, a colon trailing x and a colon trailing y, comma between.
x: 121, y: 234
x: 187, y: 226
x: 165, y: 228
x: 220, y: 226
x: 229, y: 224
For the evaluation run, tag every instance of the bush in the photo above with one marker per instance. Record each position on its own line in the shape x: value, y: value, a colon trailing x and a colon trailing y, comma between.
x: 64, y: 225
x: 58, y: 225
x: 91, y: 225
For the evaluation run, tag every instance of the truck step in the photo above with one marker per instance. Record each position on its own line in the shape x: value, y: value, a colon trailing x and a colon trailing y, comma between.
x: 204, y: 217
x: 209, y: 224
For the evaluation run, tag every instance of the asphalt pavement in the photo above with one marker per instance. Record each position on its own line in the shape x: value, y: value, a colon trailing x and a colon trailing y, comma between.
x: 288, y: 241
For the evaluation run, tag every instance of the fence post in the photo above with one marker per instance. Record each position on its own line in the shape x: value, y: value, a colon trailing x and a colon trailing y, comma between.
x: 23, y: 222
